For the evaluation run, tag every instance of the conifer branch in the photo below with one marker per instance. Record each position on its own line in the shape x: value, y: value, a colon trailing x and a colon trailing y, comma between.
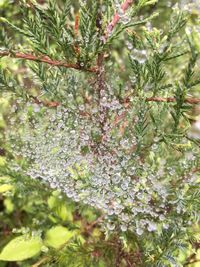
x: 76, y: 29
x: 190, y: 100
x: 45, y: 59
x: 76, y: 26
x: 101, y: 140
x: 50, y: 104
x: 116, y: 17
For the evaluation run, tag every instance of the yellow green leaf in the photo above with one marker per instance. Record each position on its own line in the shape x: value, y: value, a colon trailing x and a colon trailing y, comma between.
x: 2, y: 2
x: 4, y: 178
x: 2, y: 161
x: 21, y: 248
x: 5, y: 187
x: 58, y: 236
x: 8, y: 205
x: 61, y: 209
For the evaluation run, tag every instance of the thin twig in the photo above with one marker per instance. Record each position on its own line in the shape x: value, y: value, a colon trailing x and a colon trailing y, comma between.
x: 93, y: 224
x: 76, y: 31
x: 116, y: 17
x: 40, y: 262
x: 191, y: 262
x: 45, y: 59
x: 76, y: 26
x: 190, y: 100
x: 51, y: 104
x: 100, y: 80
x: 119, y: 254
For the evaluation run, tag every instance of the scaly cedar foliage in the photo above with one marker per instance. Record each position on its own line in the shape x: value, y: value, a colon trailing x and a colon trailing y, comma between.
x: 100, y: 148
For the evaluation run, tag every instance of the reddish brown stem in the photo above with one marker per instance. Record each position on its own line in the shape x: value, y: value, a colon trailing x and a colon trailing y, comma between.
x: 116, y: 17
x: 76, y: 27
x: 50, y: 104
x: 45, y: 59
x: 58, y: 63
x: 190, y: 100
x: 93, y: 224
